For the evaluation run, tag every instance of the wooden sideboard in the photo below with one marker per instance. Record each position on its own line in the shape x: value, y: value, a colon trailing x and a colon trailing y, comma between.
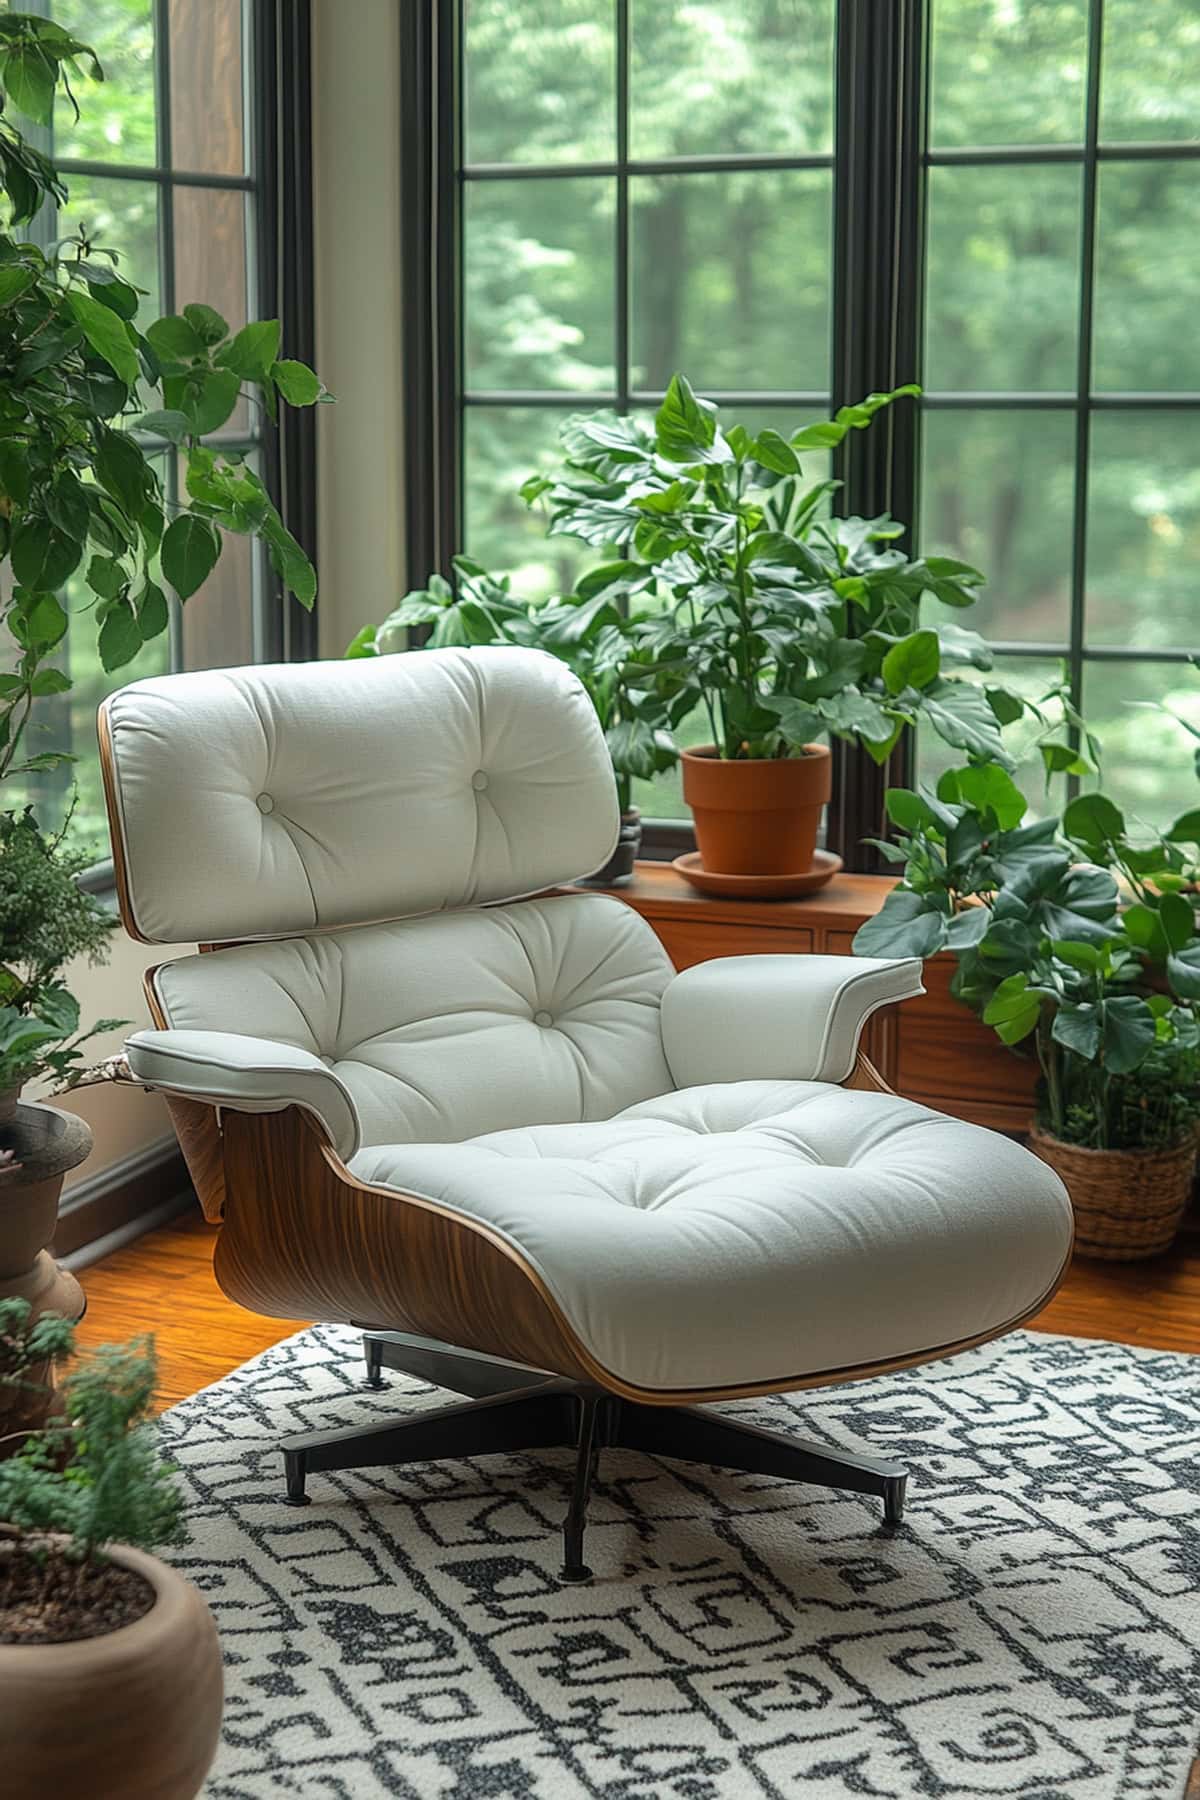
x: 932, y: 1049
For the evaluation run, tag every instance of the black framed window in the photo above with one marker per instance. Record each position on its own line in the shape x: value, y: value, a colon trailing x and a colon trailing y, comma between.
x: 797, y: 201
x: 1062, y: 404
x: 175, y: 162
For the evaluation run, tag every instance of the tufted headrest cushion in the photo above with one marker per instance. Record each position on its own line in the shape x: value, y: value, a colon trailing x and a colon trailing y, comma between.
x: 265, y: 802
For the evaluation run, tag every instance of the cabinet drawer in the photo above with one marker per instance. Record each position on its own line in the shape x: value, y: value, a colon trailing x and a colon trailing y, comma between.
x: 692, y: 941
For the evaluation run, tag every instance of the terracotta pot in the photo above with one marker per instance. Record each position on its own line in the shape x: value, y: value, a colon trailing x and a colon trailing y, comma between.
x: 619, y: 867
x: 757, y: 817
x: 1128, y: 1204
x: 132, y: 1715
x: 46, y: 1142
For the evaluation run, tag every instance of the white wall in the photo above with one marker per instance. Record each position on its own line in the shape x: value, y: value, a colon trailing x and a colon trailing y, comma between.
x: 356, y: 181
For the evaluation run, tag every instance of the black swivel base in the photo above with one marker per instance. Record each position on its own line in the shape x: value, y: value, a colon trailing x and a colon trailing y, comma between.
x: 542, y: 1414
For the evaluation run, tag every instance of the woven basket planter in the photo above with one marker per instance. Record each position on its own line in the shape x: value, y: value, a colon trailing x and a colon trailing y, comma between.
x: 1128, y: 1203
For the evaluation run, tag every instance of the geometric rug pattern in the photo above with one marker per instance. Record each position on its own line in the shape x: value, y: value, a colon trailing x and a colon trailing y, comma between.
x: 1033, y: 1629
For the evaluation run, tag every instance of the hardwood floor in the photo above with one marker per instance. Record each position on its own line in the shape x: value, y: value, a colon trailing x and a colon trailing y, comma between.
x: 164, y: 1284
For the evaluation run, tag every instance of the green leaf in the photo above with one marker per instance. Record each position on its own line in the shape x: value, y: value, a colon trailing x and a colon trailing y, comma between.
x: 914, y: 662
x: 120, y: 637
x: 1177, y: 919
x: 362, y: 643
x: 42, y: 623
x: 1077, y: 1028
x: 1006, y: 706
x: 107, y: 335
x: 49, y: 681
x: 775, y: 453
x: 190, y: 548
x: 175, y: 339
x: 296, y: 382
x: 290, y: 563
x: 29, y: 77
x: 1186, y: 829
x: 207, y: 324
x: 43, y: 555
x: 168, y: 424
x: 1183, y: 972
x: 14, y: 279
x: 914, y: 812
x: 207, y: 400
x: 106, y: 577
x: 905, y: 925
x: 122, y: 470
x: 14, y: 469
x: 685, y: 426
x: 251, y: 353
x: 1092, y: 820
x: 153, y: 614
x: 1128, y: 1033
x: 960, y: 713
x: 989, y: 788
x: 1013, y: 1010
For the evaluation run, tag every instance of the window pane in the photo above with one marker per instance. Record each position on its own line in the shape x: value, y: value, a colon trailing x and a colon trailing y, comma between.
x: 504, y: 445
x: 1143, y: 568
x: 207, y: 132
x: 1008, y: 73
x: 1033, y: 678
x: 998, y: 490
x: 117, y: 116
x: 715, y: 78
x: 1146, y: 236
x: 538, y: 284
x: 1149, y: 761
x: 731, y: 279
x: 1003, y: 288
x: 1150, y: 73
x: 539, y: 78
x: 120, y: 216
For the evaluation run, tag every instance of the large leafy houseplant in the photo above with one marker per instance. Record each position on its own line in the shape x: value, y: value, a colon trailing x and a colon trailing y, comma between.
x: 91, y: 393
x: 1103, y: 984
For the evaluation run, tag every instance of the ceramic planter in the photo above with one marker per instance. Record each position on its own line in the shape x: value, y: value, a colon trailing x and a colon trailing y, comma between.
x: 619, y: 867
x: 132, y: 1715
x: 757, y: 817
x: 1128, y: 1203
x: 46, y: 1142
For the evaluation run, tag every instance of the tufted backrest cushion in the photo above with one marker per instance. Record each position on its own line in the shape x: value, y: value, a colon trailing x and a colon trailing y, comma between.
x: 540, y: 1013
x: 259, y: 802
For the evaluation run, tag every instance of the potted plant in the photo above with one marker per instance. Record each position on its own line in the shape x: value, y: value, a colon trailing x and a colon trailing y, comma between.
x: 783, y: 624
x: 1049, y: 954
x: 29, y: 1348
x: 46, y: 920
x: 588, y: 630
x: 81, y: 503
x: 109, y: 1660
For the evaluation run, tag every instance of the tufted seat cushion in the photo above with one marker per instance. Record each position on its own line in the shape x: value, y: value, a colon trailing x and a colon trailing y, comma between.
x: 735, y: 1233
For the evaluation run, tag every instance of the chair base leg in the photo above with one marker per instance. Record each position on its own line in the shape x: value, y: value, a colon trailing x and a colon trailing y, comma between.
x: 561, y: 1415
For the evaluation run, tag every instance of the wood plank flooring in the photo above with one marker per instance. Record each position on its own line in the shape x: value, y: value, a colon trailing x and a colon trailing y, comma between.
x: 164, y: 1284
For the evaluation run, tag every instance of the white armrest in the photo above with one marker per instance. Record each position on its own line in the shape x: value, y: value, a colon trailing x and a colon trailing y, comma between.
x: 790, y: 1018
x: 247, y: 1074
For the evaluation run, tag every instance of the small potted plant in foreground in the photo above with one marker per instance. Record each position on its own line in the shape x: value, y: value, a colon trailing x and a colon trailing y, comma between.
x: 1048, y: 955
x: 110, y: 1664
x: 588, y: 631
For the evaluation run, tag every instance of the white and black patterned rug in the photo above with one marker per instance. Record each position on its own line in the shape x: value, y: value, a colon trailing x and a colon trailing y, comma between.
x: 1031, y: 1630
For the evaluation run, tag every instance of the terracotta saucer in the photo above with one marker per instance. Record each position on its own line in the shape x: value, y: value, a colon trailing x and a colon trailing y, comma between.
x: 759, y: 887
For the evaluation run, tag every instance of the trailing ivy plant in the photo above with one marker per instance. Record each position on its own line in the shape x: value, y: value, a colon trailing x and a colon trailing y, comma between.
x: 780, y: 622
x: 585, y: 629
x: 1105, y: 992
x: 89, y: 394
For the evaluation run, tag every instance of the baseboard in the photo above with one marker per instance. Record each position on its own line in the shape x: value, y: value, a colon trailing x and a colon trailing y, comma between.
x: 118, y: 1203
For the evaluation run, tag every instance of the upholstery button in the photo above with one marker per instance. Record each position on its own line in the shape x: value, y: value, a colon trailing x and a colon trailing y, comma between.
x: 479, y: 781
x: 543, y: 1018
x: 265, y: 804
